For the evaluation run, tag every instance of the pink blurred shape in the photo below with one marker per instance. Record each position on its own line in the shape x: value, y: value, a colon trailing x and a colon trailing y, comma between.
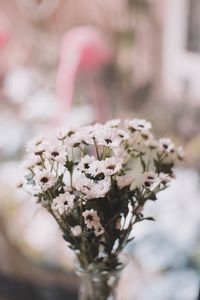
x: 83, y: 48
x: 4, y: 30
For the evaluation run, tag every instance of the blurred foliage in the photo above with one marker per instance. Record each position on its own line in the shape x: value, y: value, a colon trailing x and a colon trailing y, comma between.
x: 125, y: 38
x: 138, y: 5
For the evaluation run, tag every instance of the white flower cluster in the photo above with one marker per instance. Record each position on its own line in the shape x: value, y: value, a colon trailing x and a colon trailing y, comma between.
x: 92, y: 189
x: 89, y: 177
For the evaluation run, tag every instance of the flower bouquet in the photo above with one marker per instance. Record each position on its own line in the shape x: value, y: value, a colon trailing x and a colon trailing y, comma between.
x: 95, y: 181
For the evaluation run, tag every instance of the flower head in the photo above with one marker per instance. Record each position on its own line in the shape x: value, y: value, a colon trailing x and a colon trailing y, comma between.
x: 66, y: 133
x: 99, y: 189
x: 92, y: 189
x: 150, y: 180
x: 166, y: 145
x: 107, y: 136
x: 114, y: 123
x: 36, y: 141
x: 76, y: 230
x: 112, y: 165
x: 122, y: 134
x: 19, y: 184
x: 63, y: 203
x: 56, y: 153
x: 32, y: 162
x: 83, y: 184
x: 85, y: 163
x: 151, y: 143
x: 91, y: 218
x: 138, y: 125
x: 37, y: 146
x: 45, y: 180
x: 92, y: 221
x: 96, y: 167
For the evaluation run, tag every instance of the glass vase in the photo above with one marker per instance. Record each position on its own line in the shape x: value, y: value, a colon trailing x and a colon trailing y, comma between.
x: 98, y: 285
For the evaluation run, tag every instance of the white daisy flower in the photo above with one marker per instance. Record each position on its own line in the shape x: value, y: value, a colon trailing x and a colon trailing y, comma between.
x: 66, y: 133
x: 124, y: 180
x: 19, y: 184
x: 34, y: 143
x: 146, y: 135
x: 44, y: 180
x: 152, y: 144
x: 61, y: 134
x: 84, y: 135
x: 56, y: 153
x: 63, y: 203
x: 83, y: 184
x: 106, y: 136
x: 98, y: 130
x: 87, y: 135
x: 76, y: 230
x: 150, y: 176
x: 40, y: 149
x: 122, y: 134
x: 37, y: 146
x: 32, y: 161
x: 166, y: 145
x: 142, y: 142
x: 150, y: 180
x: 85, y: 162
x: 113, y: 123
x: 75, y: 140
x: 91, y: 218
x: 96, y: 167
x: 112, y: 165
x: 99, y: 190
x: 138, y: 125
x: 92, y: 221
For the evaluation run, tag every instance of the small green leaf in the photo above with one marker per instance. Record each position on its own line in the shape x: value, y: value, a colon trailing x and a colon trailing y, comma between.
x: 131, y: 239
x: 69, y: 165
x: 152, y: 196
x: 149, y: 219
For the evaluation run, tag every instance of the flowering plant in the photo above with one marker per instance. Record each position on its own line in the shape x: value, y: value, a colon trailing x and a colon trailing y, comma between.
x: 95, y: 181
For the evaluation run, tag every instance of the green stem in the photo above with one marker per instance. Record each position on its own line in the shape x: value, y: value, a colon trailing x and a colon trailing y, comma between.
x: 71, y: 180
x: 42, y: 161
x: 96, y: 148
x: 82, y: 150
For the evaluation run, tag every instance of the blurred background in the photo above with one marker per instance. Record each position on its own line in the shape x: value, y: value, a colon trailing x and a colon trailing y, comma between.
x: 76, y: 62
